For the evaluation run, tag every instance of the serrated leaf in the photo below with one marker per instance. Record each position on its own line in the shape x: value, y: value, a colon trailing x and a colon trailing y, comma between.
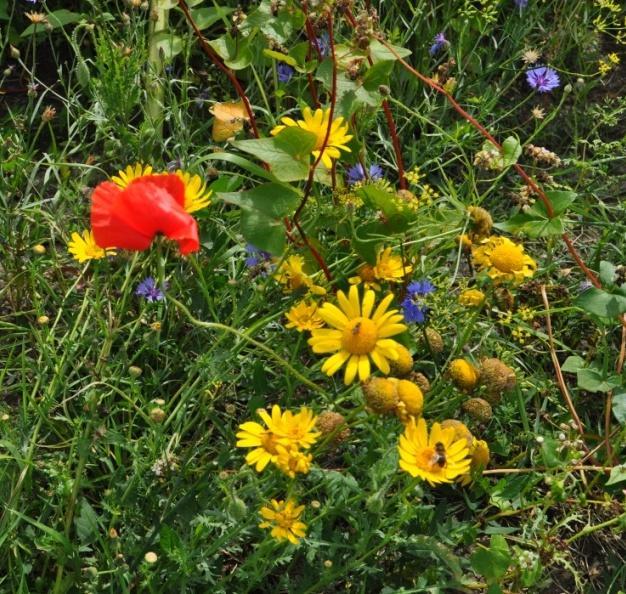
x: 169, y: 539
x: 560, y: 200
x: 86, y: 523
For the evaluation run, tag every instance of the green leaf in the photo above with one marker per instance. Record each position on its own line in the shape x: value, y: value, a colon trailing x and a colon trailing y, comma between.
x: 296, y: 142
x: 618, y: 475
x: 280, y: 26
x: 379, y: 53
x: 619, y: 405
x: 377, y: 75
x: 493, y: 562
x: 273, y: 199
x: 169, y: 45
x: 560, y: 200
x: 601, y: 303
x: 56, y: 19
x: 86, y: 523
x: 205, y: 17
x: 573, y: 364
x: 284, y: 167
x: 265, y: 233
x: 511, y: 151
x: 607, y: 273
x: 169, y: 540
x: 4, y: 10
x: 280, y: 57
x: 596, y: 380
x: 235, y: 52
x: 549, y: 452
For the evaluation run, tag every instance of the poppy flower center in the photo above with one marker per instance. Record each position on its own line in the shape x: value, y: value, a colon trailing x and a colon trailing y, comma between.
x: 507, y: 258
x: 359, y: 336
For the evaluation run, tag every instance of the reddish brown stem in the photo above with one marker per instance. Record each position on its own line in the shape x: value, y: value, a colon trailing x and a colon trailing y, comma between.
x: 520, y: 170
x: 393, y: 131
x: 214, y: 57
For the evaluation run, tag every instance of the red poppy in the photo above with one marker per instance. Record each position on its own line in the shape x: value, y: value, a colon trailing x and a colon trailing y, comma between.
x: 130, y: 218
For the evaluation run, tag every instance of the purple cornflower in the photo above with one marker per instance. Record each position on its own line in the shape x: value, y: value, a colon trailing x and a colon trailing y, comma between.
x: 285, y: 72
x: 521, y: 3
x: 148, y: 289
x: 256, y: 256
x: 356, y: 173
x: 323, y: 44
x: 413, y: 307
x: 542, y: 79
x: 439, y: 43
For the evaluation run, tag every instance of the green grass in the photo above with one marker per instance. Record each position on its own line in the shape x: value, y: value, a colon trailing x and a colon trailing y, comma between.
x: 92, y: 479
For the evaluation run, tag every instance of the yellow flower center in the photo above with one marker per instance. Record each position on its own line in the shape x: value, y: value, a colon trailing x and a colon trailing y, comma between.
x: 359, y: 336
x: 268, y: 441
x: 284, y: 520
x: 507, y: 258
x: 430, y: 461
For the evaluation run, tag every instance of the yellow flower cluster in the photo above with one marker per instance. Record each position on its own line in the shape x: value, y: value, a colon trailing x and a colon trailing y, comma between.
x: 388, y: 267
x: 605, y: 65
x: 280, y: 441
x: 292, y: 276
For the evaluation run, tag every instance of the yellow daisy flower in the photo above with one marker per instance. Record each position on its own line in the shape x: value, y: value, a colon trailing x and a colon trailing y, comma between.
x: 131, y: 173
x: 303, y: 316
x: 437, y: 458
x: 84, y: 247
x: 196, y: 194
x: 292, y: 276
x: 471, y: 298
x: 317, y: 123
x: 388, y: 268
x: 503, y: 260
x: 283, y: 517
x: 298, y: 429
x: 292, y: 461
x: 264, y: 440
x: 356, y: 334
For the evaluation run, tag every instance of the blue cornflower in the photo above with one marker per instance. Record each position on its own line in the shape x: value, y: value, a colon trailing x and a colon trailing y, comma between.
x: 285, y: 72
x: 542, y: 79
x: 414, y: 312
x: 420, y: 288
x: 439, y: 43
x: 521, y: 3
x: 149, y: 290
x: 323, y: 44
x: 413, y: 306
x: 256, y: 256
x: 356, y: 173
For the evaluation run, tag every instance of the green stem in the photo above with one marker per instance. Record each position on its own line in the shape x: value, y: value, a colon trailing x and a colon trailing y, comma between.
x: 159, y: 13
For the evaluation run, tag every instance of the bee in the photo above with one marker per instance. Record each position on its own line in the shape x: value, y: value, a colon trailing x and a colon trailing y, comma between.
x: 356, y: 329
x: 440, y: 455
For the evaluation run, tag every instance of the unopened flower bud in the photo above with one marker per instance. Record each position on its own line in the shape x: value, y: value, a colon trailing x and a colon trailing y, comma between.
x: 157, y: 415
x: 43, y: 320
x: 15, y: 53
x: 135, y: 371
